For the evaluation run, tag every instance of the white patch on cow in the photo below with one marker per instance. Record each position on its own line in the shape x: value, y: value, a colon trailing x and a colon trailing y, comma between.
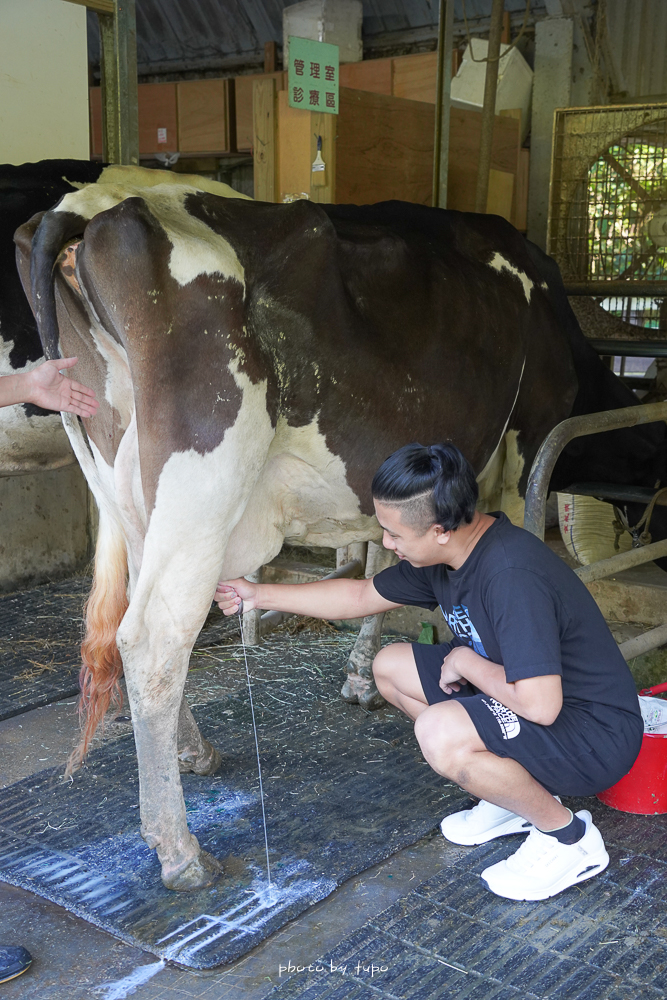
x: 29, y: 444
x: 500, y: 263
x: 145, y: 177
x: 118, y: 389
x: 196, y: 248
x: 494, y: 480
x: 300, y: 485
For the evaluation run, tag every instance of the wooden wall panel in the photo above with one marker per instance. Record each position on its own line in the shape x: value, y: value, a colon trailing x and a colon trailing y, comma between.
x: 294, y: 146
x: 264, y: 138
x: 464, y: 139
x: 203, y: 116
x: 157, y: 111
x: 243, y: 104
x: 96, y: 143
x: 384, y: 149
x: 414, y: 77
x: 374, y: 75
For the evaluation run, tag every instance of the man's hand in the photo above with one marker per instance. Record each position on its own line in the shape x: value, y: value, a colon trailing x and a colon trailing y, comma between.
x: 230, y: 593
x: 450, y: 674
x: 46, y: 387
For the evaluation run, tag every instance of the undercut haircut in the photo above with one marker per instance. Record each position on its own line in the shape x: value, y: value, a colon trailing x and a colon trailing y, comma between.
x: 428, y: 485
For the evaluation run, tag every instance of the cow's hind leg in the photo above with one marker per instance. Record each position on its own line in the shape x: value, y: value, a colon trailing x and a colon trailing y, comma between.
x: 195, y: 754
x: 360, y: 687
x: 155, y: 639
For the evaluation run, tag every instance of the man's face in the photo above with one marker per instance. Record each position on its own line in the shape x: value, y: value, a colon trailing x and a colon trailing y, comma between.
x: 418, y: 550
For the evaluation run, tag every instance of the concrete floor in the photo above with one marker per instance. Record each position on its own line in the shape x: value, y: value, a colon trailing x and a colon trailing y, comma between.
x: 73, y: 959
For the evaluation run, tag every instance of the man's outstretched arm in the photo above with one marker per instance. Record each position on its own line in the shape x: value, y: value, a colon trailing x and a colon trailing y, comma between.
x: 332, y: 599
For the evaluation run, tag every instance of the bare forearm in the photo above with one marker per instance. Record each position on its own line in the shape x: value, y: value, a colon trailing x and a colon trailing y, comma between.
x: 538, y: 699
x: 331, y: 599
x: 15, y: 389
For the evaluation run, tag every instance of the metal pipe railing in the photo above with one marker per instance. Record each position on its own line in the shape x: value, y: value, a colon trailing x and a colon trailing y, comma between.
x: 644, y: 643
x: 624, y: 560
x: 561, y: 435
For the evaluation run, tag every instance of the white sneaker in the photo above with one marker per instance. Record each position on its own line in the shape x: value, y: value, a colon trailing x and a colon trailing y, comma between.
x: 482, y: 823
x: 543, y: 867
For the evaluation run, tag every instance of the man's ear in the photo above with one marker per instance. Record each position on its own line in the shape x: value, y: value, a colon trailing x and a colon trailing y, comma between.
x: 441, y: 536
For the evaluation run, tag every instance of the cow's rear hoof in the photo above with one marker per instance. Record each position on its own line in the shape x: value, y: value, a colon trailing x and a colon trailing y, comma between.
x: 349, y: 691
x: 358, y: 690
x: 199, y: 873
x: 371, y: 699
x: 191, y: 762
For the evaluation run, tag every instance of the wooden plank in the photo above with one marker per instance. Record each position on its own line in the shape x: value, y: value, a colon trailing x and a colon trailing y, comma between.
x: 326, y: 126
x: 384, y: 148
x: 520, y: 205
x: 158, y: 130
x: 464, y: 137
x: 203, y: 116
x: 414, y: 77
x: 95, y: 103
x: 373, y: 75
x: 500, y: 195
x: 264, y: 138
x: 294, y: 149
x: 243, y: 103
x: 270, y: 57
x: 100, y: 6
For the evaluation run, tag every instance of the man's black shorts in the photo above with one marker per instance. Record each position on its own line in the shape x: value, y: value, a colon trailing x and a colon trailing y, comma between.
x: 586, y: 750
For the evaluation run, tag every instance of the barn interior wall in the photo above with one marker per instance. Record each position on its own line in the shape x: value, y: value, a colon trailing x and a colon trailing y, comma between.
x: 43, y: 81
x: 47, y: 527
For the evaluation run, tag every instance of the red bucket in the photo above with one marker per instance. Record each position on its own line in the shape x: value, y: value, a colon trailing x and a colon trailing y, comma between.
x: 644, y: 789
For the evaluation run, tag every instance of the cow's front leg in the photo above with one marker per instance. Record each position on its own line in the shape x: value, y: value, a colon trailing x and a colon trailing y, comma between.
x: 359, y: 687
x: 195, y: 754
x: 156, y: 652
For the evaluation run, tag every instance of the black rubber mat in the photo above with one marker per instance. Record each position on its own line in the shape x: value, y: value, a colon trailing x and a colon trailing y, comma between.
x: 40, y: 635
x: 343, y: 790
x: 601, y: 940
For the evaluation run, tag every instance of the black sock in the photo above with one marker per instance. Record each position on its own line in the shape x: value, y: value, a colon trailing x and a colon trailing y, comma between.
x: 570, y: 833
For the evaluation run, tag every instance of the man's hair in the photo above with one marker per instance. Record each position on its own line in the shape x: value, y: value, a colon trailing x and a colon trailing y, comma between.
x: 429, y: 485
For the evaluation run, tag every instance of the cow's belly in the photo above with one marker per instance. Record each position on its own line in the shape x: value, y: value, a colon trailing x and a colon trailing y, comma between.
x: 29, y: 444
x: 302, y: 496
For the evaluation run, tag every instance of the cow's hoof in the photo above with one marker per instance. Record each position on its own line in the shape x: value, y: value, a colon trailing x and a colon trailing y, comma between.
x: 371, y: 699
x: 191, y: 762
x: 349, y: 692
x: 358, y: 690
x: 198, y: 873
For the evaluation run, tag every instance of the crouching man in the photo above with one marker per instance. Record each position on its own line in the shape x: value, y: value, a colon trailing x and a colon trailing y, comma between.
x: 530, y: 700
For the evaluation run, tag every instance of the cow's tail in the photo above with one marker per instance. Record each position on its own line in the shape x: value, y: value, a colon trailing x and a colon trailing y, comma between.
x: 101, y: 664
x: 51, y: 235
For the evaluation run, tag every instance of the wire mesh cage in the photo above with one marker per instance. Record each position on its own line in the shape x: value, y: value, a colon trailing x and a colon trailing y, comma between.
x: 608, y: 205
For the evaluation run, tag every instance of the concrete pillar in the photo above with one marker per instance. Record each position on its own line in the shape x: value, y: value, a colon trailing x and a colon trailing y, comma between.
x: 551, y: 89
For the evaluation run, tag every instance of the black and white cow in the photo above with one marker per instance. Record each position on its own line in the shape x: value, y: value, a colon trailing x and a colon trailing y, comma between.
x: 256, y: 363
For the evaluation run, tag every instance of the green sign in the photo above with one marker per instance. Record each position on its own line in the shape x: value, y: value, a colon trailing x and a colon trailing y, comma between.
x: 312, y: 75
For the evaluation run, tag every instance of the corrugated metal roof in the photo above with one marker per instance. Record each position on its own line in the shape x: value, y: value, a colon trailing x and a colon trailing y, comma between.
x: 177, y: 36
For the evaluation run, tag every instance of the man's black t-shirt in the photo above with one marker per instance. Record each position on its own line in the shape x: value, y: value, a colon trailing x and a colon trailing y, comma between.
x: 517, y: 603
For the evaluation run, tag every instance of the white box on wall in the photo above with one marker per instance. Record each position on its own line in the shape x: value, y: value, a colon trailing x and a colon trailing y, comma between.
x: 515, y: 81
x: 337, y: 22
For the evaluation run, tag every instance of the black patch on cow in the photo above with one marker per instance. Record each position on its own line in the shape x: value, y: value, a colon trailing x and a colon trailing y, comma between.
x: 24, y: 191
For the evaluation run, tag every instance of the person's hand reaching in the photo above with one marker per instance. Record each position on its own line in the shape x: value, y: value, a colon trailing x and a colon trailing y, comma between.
x: 51, y: 390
